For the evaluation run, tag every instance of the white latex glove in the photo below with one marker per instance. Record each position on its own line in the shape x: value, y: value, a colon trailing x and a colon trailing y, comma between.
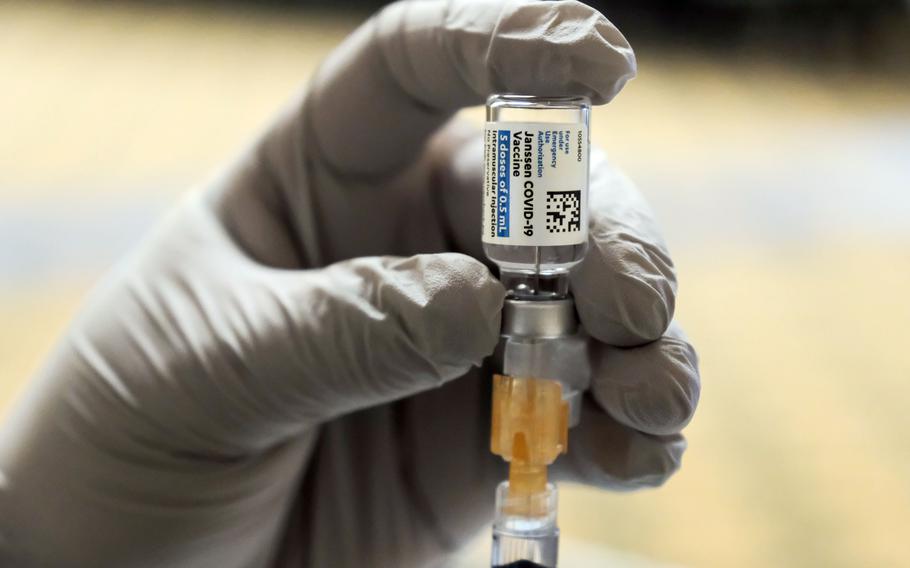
x: 257, y: 386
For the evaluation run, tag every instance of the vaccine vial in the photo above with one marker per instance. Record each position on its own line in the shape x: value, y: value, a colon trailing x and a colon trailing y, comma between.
x: 535, y: 197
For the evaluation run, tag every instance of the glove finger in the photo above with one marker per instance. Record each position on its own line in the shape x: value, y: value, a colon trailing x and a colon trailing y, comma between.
x: 653, y: 388
x: 609, y: 455
x: 402, y: 74
x: 371, y: 330
x: 625, y: 288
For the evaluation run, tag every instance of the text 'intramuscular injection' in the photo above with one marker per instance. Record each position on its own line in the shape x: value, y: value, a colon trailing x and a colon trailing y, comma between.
x: 535, y: 218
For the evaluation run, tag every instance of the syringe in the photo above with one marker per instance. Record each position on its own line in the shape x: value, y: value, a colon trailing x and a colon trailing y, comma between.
x: 535, y: 230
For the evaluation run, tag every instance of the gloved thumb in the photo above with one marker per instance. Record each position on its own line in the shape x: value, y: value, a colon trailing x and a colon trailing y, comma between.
x: 196, y: 346
x: 370, y: 330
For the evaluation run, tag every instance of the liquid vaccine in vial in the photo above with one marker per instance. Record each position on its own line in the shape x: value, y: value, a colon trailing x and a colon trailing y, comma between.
x: 535, y: 196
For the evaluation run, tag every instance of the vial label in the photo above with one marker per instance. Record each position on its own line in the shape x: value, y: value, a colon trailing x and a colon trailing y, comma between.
x: 535, y: 189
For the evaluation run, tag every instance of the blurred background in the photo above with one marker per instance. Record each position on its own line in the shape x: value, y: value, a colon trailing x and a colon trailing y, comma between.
x: 772, y: 138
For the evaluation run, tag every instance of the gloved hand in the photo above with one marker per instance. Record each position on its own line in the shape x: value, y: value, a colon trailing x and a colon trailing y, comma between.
x: 274, y: 379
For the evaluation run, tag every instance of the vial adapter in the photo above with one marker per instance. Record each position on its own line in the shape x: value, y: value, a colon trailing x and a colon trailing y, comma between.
x: 531, y: 417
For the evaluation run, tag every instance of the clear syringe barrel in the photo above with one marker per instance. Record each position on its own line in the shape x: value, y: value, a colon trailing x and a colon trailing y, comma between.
x: 536, y: 191
x: 520, y: 540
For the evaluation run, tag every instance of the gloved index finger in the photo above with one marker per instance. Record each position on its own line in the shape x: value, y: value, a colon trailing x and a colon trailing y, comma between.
x: 404, y: 72
x: 625, y: 287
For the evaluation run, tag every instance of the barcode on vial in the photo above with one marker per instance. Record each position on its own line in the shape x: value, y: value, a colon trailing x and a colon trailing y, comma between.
x: 563, y: 211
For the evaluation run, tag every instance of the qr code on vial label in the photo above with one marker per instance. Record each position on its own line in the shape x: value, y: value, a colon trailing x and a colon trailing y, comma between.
x: 563, y: 211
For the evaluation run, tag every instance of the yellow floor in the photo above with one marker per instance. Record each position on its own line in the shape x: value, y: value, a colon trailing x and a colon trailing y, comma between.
x: 799, y: 453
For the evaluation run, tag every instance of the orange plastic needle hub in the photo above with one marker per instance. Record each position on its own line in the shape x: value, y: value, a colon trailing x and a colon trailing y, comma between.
x: 530, y: 429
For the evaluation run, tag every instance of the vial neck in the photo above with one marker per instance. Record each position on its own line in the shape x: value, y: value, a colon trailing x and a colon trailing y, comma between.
x: 531, y: 286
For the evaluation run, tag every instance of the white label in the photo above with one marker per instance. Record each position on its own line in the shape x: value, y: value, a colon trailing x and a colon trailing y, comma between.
x: 535, y: 188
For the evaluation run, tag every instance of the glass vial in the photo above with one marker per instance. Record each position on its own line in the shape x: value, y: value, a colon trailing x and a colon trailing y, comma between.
x: 535, y: 218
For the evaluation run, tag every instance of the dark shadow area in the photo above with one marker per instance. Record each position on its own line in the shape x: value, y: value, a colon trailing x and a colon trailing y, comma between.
x: 820, y: 35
